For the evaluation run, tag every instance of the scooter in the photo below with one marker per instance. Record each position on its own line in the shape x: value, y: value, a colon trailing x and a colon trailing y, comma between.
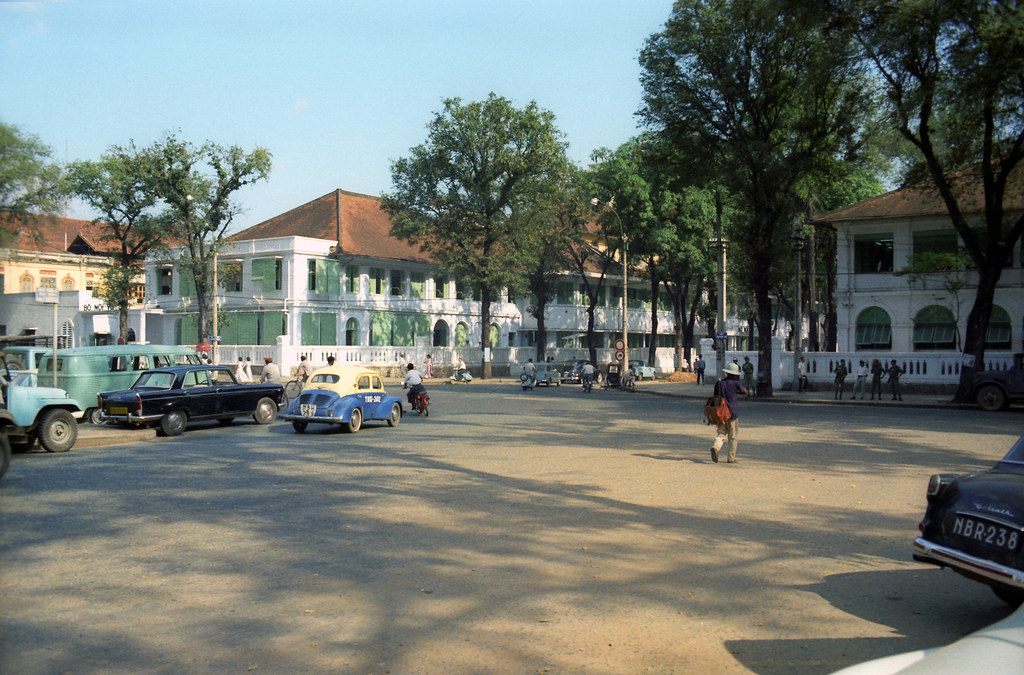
x: 461, y: 376
x: 421, y: 403
x: 528, y: 381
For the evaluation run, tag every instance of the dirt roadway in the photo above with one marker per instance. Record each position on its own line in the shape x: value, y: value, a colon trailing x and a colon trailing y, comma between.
x: 510, y: 533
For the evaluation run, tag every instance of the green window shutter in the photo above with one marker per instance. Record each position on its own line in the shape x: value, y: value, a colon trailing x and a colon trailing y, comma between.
x: 402, y: 331
x: 333, y: 278
x: 186, y: 284
x: 228, y: 329
x: 247, y: 327
x: 352, y: 279
x: 263, y: 271
x: 421, y: 325
x: 418, y: 284
x: 188, y: 329
x: 380, y: 329
x: 328, y: 329
x: 310, y: 329
x: 495, y: 336
x: 273, y: 327
x: 461, y: 335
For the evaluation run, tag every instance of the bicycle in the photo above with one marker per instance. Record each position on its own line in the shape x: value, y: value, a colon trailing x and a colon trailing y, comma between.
x: 292, y: 389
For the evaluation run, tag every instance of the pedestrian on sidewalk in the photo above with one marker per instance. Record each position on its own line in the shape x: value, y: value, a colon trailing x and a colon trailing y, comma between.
x: 699, y: 366
x: 801, y: 369
x: 730, y: 389
x: 862, y: 379
x: 748, y: 376
x: 894, y: 380
x: 841, y: 373
x: 877, y: 370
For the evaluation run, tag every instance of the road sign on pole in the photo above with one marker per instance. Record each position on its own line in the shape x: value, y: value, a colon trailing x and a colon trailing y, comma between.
x: 619, y: 355
x: 620, y: 345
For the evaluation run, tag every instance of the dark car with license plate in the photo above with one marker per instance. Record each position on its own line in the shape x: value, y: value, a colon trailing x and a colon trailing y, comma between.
x: 974, y: 524
x: 172, y: 397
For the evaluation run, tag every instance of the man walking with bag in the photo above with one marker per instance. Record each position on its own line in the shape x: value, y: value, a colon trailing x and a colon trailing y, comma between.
x: 730, y: 390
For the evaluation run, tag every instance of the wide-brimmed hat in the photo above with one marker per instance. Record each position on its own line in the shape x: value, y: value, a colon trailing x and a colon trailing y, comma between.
x: 731, y: 369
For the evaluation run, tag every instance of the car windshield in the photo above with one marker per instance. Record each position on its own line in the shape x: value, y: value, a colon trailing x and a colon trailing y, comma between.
x: 1016, y: 453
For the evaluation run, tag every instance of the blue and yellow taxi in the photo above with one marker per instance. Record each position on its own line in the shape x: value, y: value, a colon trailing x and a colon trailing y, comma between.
x: 347, y: 395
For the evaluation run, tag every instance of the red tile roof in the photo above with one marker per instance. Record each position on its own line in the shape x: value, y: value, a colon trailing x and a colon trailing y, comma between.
x: 355, y: 221
x: 924, y: 200
x: 53, y: 234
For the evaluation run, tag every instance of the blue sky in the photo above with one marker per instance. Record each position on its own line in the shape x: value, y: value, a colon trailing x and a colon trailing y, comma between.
x: 334, y: 90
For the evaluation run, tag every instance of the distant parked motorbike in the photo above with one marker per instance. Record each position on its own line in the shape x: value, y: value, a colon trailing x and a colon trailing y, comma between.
x: 461, y: 376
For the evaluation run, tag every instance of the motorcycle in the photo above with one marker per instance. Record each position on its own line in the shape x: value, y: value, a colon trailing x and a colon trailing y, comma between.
x: 528, y: 381
x: 588, y: 384
x: 420, y: 402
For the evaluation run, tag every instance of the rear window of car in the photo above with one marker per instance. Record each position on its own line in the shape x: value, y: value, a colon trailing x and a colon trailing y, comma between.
x: 325, y: 377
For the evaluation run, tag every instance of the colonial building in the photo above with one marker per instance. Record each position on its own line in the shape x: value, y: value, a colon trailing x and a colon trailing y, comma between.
x: 882, y: 311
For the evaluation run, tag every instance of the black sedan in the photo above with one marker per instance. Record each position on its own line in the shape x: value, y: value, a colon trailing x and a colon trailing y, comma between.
x: 173, y: 397
x: 974, y: 524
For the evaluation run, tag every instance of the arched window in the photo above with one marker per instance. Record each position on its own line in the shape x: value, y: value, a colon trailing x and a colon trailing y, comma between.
x: 934, y: 328
x: 461, y: 334
x: 68, y: 284
x: 441, y: 334
x: 874, y: 329
x: 131, y: 335
x: 67, y: 335
x: 27, y: 283
x: 998, y: 335
x: 495, y: 336
x: 351, y: 332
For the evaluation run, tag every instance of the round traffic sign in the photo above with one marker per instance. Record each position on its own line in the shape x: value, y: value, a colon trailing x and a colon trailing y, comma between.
x: 620, y: 345
x: 619, y: 355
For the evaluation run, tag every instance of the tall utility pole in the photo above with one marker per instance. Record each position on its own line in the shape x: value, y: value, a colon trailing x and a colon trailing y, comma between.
x: 720, y: 336
x: 798, y: 321
x: 624, y: 361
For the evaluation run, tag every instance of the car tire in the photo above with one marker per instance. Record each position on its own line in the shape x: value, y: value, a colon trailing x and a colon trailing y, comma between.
x: 355, y: 421
x: 991, y: 397
x: 299, y: 427
x: 94, y: 416
x: 5, y: 453
x: 58, y: 430
x: 266, y: 411
x: 1014, y: 597
x: 396, y: 415
x: 173, y: 423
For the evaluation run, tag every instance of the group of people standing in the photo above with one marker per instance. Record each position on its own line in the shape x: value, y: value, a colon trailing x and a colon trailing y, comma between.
x: 876, y: 372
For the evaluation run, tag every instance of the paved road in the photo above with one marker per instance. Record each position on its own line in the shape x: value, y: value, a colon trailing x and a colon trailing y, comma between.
x: 511, y: 531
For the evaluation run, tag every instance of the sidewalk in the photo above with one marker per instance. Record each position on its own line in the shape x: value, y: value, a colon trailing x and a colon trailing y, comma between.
x: 822, y: 396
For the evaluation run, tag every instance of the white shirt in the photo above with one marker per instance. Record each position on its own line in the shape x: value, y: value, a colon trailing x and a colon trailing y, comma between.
x: 413, y: 377
x: 862, y: 370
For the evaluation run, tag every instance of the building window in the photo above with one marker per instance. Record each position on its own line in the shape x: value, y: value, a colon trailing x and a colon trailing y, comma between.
x: 27, y: 283
x: 89, y: 280
x: 440, y: 334
x: 461, y: 334
x: 377, y: 278
x: 495, y: 336
x: 324, y: 277
x: 266, y: 271
x: 319, y: 328
x: 872, y: 253
x: 68, y: 284
x: 998, y: 334
x: 874, y: 329
x: 164, y: 276
x: 351, y: 332
x: 934, y: 328
x: 47, y: 282
x: 441, y: 288
x: 564, y: 293
x: 397, y: 283
x: 352, y: 279
x: 936, y: 241
x: 311, y: 274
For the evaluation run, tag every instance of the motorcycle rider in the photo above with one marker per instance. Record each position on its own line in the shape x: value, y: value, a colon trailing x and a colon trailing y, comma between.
x: 530, y: 370
x: 414, y: 381
x: 460, y: 370
x: 587, y: 375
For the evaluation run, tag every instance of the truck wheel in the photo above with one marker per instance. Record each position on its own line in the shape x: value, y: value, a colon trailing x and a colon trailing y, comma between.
x: 58, y: 430
x: 991, y: 397
x: 173, y: 423
x: 5, y: 453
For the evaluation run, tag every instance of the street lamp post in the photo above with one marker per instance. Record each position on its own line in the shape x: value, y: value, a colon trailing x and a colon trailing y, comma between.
x: 798, y: 319
x: 624, y: 361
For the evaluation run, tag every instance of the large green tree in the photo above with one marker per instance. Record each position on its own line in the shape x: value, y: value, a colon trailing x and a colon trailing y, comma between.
x: 953, y: 74
x: 770, y: 89
x: 197, y: 184
x: 118, y: 188
x: 30, y: 182
x: 457, y: 195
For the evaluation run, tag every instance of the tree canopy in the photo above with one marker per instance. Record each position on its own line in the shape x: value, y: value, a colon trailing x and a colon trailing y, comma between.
x: 30, y: 182
x: 457, y: 194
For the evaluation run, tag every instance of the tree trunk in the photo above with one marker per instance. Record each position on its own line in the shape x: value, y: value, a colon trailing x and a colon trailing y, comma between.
x: 485, y: 330
x: 764, y: 338
x: 977, y: 326
x: 591, y: 349
x: 652, y: 347
x: 542, y: 332
x: 812, y: 290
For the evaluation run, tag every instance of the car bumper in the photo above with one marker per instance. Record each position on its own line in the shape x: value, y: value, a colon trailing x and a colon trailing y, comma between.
x: 128, y: 419
x: 319, y: 419
x: 926, y: 551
